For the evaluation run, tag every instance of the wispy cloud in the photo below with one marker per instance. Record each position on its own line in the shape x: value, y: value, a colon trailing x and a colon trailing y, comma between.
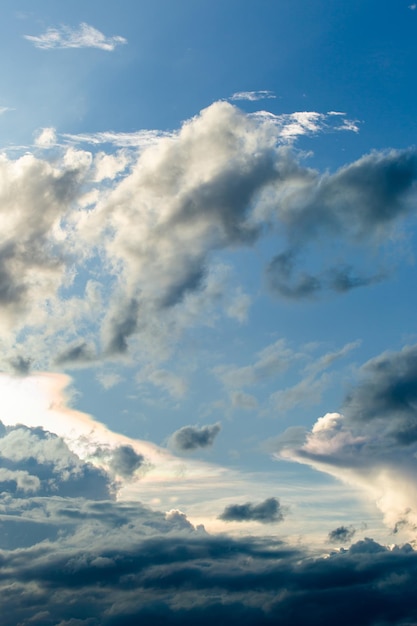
x: 252, y: 96
x: 85, y: 36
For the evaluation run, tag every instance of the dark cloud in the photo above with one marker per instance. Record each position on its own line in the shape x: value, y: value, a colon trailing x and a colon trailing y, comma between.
x: 21, y: 365
x: 266, y: 512
x: 373, y: 442
x: 388, y: 393
x: 341, y: 534
x: 120, y: 327
x: 69, y: 560
x: 189, y: 438
x: 345, y: 278
x: 285, y: 280
x: 80, y: 353
x: 198, y: 579
x: 125, y: 461
x: 280, y: 274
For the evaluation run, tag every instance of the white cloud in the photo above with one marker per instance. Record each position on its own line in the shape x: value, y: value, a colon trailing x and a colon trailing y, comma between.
x: 137, y: 139
x: 85, y: 37
x: 46, y: 138
x: 150, y: 223
x: 253, y: 96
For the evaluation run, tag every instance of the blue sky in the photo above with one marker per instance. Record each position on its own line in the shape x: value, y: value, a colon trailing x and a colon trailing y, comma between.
x: 207, y: 318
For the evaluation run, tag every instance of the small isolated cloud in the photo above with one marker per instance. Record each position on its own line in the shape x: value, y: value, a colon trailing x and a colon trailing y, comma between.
x: 85, y: 36
x: 266, y: 512
x: 413, y: 7
x: 253, y: 96
x: 342, y: 534
x: 189, y: 438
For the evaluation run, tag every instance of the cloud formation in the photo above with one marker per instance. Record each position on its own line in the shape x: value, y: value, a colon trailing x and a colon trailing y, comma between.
x: 190, y: 438
x: 141, y: 231
x: 85, y: 36
x: 373, y: 443
x: 266, y: 512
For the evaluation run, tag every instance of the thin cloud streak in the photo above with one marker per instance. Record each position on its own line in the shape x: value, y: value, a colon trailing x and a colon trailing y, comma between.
x: 85, y: 36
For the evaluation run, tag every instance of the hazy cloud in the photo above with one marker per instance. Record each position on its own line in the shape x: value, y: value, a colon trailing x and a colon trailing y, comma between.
x: 85, y: 36
x: 266, y: 512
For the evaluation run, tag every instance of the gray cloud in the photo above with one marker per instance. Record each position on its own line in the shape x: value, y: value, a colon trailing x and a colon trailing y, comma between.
x: 266, y: 512
x: 70, y: 559
x: 284, y: 280
x: 280, y: 274
x: 341, y: 534
x: 80, y: 353
x: 189, y: 438
x: 122, y: 461
x: 120, y: 326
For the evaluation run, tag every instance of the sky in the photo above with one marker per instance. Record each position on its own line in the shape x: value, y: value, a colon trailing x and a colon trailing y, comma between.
x: 208, y: 349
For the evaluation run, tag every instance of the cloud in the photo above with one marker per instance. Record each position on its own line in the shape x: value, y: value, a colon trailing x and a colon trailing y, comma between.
x: 341, y: 534
x: 73, y: 555
x: 85, y: 37
x: 33, y: 461
x: 253, y: 96
x: 190, y: 438
x: 271, y: 361
x: 373, y: 443
x: 122, y: 461
x: 46, y: 138
x: 124, y: 247
x: 266, y: 512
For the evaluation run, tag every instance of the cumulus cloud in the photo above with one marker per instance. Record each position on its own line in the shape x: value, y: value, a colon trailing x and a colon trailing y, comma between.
x: 190, y: 438
x: 34, y: 461
x: 147, y: 225
x: 373, y: 443
x: 266, y: 512
x: 85, y: 36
